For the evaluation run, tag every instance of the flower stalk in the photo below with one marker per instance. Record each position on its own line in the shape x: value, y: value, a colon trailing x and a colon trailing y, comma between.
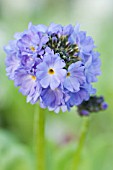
x: 40, y: 140
x: 77, y: 156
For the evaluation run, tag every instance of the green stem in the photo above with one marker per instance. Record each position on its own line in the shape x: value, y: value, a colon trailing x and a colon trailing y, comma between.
x: 77, y: 156
x: 40, y: 139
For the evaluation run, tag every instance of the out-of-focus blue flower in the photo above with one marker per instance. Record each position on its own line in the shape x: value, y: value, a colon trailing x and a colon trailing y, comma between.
x: 85, y: 43
x: 55, y: 65
x: 52, y: 98
x: 12, y: 62
x: 92, y: 66
x: 78, y: 97
x: 31, y: 43
x: 67, y: 30
x: 104, y: 106
x: 37, y: 28
x: 11, y: 48
x: 94, y: 104
x: 55, y: 29
x: 29, y: 86
x: 27, y: 61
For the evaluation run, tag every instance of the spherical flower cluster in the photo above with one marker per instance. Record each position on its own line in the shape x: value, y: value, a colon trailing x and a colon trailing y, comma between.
x: 54, y: 65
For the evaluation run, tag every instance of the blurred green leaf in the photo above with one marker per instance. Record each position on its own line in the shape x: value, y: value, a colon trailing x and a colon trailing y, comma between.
x: 102, y: 153
x: 13, y: 155
x: 64, y: 156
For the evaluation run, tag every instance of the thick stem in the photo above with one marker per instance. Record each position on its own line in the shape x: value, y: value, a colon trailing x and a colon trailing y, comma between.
x: 77, y: 156
x: 40, y: 139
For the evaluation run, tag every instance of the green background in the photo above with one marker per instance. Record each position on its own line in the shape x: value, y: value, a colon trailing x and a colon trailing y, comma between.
x: 62, y: 130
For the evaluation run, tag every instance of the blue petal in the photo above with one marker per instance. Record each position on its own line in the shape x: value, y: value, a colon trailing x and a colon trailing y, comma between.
x: 54, y: 82
x: 45, y: 82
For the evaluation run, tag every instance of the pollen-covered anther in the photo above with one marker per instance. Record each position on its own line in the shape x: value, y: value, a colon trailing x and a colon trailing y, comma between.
x: 51, y: 71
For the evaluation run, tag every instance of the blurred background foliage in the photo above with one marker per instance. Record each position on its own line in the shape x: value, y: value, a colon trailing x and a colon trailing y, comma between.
x: 62, y: 131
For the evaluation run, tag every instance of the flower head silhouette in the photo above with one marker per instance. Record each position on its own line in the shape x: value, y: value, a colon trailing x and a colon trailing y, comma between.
x: 55, y: 65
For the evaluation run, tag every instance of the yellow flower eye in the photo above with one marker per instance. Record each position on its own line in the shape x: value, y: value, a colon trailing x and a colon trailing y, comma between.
x: 32, y: 48
x: 33, y: 77
x: 68, y: 74
x: 51, y: 71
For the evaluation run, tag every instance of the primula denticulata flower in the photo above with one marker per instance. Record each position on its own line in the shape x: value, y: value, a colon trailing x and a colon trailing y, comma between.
x: 55, y: 65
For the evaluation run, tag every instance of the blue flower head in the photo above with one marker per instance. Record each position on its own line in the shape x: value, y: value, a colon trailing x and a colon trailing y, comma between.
x: 55, y: 65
